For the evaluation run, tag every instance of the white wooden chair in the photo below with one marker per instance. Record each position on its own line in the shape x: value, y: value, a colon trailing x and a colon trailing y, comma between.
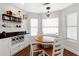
x: 34, y: 48
x: 58, y: 48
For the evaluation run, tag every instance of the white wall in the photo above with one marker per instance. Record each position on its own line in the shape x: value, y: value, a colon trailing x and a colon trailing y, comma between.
x: 9, y: 6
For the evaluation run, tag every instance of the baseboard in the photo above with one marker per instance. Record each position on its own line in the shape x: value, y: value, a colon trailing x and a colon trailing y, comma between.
x: 72, y: 50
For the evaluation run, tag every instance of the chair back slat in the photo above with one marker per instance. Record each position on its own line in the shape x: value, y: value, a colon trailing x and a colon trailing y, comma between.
x: 58, y: 48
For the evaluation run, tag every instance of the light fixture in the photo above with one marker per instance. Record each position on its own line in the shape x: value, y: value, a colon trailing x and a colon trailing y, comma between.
x: 48, y: 11
x: 46, y: 3
x: 48, y: 15
x: 19, y: 13
x: 48, y: 8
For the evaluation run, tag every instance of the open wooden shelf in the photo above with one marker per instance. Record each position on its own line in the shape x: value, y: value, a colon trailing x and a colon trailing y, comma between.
x: 6, y: 17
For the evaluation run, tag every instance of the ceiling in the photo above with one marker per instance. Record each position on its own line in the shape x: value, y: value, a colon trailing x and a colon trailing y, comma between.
x: 40, y: 7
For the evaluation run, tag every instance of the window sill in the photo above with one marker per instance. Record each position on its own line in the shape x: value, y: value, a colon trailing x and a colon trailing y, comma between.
x: 73, y: 41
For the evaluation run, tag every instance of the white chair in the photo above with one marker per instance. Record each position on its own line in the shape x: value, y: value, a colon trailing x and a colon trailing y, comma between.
x: 34, y: 48
x: 58, y: 48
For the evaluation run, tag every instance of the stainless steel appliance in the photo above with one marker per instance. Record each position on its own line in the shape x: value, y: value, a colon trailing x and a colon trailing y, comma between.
x: 17, y: 39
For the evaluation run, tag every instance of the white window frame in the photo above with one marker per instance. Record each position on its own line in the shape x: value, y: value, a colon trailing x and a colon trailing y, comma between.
x: 72, y: 25
x: 34, y: 26
x: 53, y: 26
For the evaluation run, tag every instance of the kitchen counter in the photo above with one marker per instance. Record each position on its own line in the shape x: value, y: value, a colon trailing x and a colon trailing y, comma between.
x: 9, y: 49
x: 11, y: 34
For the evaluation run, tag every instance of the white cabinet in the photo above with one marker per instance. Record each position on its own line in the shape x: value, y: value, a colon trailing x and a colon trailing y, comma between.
x: 5, y: 47
x: 16, y: 48
x: 19, y: 46
x: 27, y: 38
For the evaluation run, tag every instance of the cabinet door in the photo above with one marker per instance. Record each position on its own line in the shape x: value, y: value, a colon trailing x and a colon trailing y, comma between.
x: 27, y: 38
x: 5, y: 47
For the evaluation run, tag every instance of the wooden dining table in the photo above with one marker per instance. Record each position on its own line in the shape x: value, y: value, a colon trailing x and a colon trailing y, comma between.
x: 44, y: 41
x: 47, y: 40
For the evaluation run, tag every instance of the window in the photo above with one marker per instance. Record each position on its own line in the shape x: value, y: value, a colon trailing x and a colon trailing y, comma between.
x: 50, y: 26
x: 34, y: 26
x: 72, y: 26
